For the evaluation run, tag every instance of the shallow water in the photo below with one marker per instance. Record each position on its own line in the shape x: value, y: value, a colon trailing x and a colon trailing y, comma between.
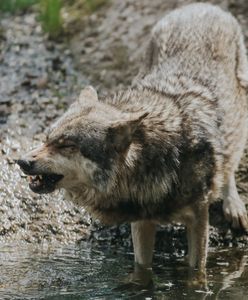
x: 81, y: 272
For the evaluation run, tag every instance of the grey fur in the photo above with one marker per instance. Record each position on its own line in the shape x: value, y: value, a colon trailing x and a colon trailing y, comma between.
x: 164, y: 149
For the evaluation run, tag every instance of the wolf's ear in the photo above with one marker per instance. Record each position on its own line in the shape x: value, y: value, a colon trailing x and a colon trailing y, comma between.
x: 120, y: 135
x: 88, y: 96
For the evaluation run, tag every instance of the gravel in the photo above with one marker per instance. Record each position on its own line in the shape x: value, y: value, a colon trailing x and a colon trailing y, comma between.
x: 38, y: 82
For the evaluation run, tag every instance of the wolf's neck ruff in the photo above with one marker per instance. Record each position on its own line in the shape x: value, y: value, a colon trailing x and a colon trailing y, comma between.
x: 154, y: 166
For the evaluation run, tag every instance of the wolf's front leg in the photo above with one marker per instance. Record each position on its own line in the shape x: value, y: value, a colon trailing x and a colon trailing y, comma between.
x: 197, y: 233
x: 143, y: 236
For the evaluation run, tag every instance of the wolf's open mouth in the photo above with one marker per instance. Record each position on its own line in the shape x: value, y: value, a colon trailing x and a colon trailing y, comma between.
x: 44, y: 183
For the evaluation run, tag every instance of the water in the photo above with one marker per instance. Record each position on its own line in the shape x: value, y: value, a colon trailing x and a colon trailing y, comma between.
x: 81, y: 272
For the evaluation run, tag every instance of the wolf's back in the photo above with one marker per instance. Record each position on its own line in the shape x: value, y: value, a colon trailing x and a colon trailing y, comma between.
x: 199, y: 50
x: 194, y: 39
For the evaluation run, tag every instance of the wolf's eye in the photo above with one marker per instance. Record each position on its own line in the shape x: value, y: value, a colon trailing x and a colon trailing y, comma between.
x: 67, y: 147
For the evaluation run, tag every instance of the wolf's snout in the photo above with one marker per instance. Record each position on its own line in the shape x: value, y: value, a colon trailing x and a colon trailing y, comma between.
x: 25, y: 165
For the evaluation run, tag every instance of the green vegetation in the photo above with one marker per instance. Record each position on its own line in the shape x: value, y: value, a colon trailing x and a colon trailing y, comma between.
x: 50, y: 11
x: 50, y: 16
x: 15, y: 5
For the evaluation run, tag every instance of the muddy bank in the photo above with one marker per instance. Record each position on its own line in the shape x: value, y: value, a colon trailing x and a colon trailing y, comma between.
x: 40, y: 78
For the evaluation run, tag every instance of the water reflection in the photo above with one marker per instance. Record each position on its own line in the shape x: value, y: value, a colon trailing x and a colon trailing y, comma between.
x: 79, y: 272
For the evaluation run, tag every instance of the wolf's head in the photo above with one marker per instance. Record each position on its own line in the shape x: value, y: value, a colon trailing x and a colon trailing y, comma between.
x: 85, y: 147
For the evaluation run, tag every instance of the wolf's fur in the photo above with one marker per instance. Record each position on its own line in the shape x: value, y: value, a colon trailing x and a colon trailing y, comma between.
x: 162, y: 150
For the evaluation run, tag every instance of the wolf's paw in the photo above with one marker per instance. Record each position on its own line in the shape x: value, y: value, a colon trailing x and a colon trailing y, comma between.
x: 243, y: 79
x: 235, y: 212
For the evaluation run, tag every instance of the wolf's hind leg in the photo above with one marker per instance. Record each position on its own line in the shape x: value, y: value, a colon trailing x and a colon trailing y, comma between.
x: 233, y: 207
x: 242, y: 62
x: 143, y: 236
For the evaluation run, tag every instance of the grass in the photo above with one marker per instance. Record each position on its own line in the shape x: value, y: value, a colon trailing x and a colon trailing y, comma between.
x: 50, y: 11
x: 13, y: 6
x: 50, y: 17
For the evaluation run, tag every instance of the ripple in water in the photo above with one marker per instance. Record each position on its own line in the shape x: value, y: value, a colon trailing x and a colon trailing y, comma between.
x: 80, y: 272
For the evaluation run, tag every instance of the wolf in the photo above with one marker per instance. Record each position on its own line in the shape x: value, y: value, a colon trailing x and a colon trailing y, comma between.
x: 165, y: 148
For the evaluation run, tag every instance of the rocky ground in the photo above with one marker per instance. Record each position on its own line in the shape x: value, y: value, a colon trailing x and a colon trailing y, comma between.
x: 37, y: 83
x: 40, y: 78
